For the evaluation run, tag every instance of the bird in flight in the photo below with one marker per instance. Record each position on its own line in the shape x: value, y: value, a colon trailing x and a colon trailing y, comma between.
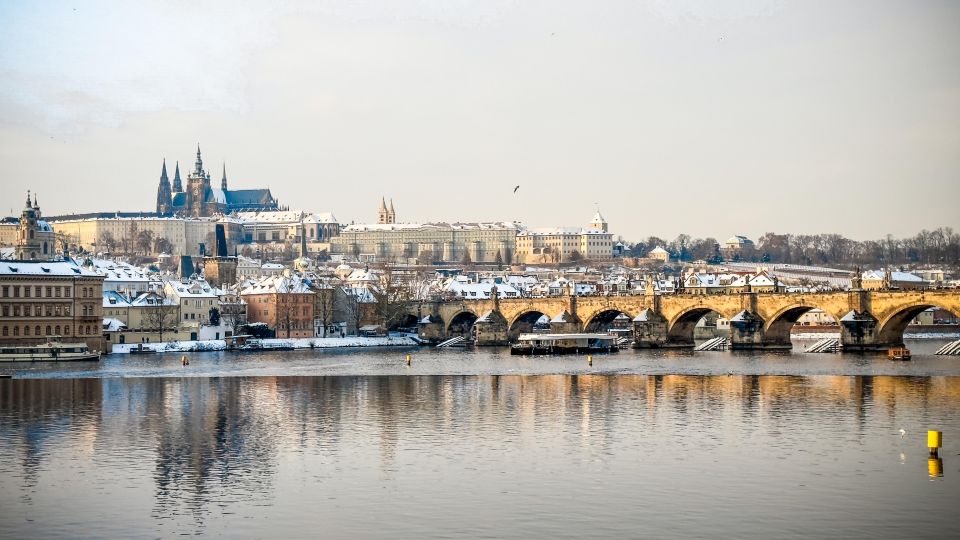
x: 515, y: 189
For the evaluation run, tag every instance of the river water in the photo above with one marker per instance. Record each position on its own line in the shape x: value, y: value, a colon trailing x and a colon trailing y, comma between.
x: 477, y: 443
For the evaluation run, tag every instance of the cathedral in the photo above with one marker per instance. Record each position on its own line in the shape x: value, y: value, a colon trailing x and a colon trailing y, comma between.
x: 199, y: 199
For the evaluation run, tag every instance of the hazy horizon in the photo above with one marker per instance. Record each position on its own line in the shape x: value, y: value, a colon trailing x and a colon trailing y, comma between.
x: 671, y: 117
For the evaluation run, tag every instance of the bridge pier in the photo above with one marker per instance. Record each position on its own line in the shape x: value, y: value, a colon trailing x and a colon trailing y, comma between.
x: 491, y: 330
x: 650, y: 331
x: 431, y: 328
x: 566, y: 323
x: 858, y: 331
x: 747, y: 333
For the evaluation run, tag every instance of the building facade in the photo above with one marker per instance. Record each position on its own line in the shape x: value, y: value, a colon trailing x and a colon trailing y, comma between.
x: 112, y: 231
x: 43, y: 300
x: 565, y: 244
x: 427, y: 242
x: 284, y: 303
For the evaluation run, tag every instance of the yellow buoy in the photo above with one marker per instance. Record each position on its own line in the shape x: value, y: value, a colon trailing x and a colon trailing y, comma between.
x: 408, y: 359
x: 934, y: 441
x: 590, y: 359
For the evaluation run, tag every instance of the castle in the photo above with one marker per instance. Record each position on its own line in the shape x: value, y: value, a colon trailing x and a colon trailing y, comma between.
x: 200, y: 199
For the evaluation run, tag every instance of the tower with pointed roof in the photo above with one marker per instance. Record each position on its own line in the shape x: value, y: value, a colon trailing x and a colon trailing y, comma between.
x: 164, y: 195
x: 177, y: 185
x: 391, y: 214
x: 29, y: 244
x: 223, y: 181
x: 599, y: 223
x: 383, y: 215
x: 198, y: 184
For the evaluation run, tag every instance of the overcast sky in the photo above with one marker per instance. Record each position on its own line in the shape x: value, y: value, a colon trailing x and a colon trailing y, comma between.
x: 672, y: 116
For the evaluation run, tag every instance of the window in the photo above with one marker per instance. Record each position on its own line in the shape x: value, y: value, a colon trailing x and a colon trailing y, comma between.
x: 6, y: 291
x: 84, y: 292
x: 26, y: 330
x: 66, y: 329
x: 26, y: 292
x: 38, y: 291
x: 49, y: 292
x: 16, y: 291
x: 6, y: 311
x: 16, y: 311
x: 66, y: 291
x: 56, y: 330
x: 5, y: 331
x: 16, y: 330
x: 49, y: 330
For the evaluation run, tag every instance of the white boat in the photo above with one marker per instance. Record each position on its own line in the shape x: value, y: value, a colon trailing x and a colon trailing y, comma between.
x: 564, y: 343
x: 48, y: 352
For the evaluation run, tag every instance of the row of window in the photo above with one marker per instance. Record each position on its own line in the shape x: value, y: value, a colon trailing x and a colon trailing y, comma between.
x: 40, y: 310
x: 83, y: 329
x: 36, y: 291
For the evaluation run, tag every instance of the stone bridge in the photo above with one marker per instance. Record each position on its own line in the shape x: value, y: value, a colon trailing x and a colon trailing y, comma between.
x: 869, y: 320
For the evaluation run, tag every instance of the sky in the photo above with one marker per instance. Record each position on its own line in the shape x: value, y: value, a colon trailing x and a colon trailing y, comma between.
x: 698, y: 117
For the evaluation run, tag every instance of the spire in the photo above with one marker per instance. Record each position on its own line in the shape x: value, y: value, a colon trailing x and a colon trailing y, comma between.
x: 199, y: 164
x: 29, y: 204
x: 303, y: 239
x: 383, y: 204
x: 36, y: 202
x: 163, y: 172
x: 177, y: 186
x: 223, y: 181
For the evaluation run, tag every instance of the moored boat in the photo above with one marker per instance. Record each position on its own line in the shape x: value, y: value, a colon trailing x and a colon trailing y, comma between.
x: 898, y: 353
x: 48, y: 352
x: 564, y: 344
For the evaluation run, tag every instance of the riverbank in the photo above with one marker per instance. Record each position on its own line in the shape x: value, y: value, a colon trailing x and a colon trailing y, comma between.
x: 271, y: 344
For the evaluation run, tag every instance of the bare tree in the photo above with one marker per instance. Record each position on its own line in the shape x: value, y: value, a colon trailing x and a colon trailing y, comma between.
x: 393, y: 299
x: 162, y: 315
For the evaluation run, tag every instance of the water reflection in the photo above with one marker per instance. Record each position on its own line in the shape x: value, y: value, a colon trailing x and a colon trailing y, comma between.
x: 216, y: 446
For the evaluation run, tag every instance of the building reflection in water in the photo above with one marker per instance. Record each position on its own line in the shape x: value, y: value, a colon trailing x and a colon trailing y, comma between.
x: 216, y: 442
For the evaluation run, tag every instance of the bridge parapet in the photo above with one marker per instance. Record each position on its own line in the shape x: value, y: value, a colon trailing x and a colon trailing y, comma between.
x: 867, y: 320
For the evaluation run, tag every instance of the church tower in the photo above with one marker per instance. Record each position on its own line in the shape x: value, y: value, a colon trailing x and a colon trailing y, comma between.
x: 223, y: 181
x: 383, y: 215
x: 391, y: 214
x: 164, y: 197
x: 599, y: 223
x: 177, y: 185
x: 198, y: 184
x: 28, y: 243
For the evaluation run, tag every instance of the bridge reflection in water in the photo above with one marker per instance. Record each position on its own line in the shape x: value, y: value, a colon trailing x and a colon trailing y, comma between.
x: 198, y: 455
x: 868, y: 320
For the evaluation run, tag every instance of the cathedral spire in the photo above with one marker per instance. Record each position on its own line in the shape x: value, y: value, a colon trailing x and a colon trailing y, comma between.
x: 29, y: 204
x: 163, y: 171
x: 177, y: 186
x: 199, y: 163
x: 223, y: 181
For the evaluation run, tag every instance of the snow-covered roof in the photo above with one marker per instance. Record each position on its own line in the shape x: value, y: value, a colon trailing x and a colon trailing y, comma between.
x: 191, y: 289
x: 279, y: 285
x: 113, y: 299
x: 658, y: 250
x: 113, y: 325
x: 286, y: 217
x: 894, y: 276
x: 361, y: 227
x: 562, y: 231
x: 44, y: 268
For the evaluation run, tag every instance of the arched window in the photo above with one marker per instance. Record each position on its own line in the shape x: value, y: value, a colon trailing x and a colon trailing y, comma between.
x: 26, y: 330
x: 44, y: 248
x: 5, y: 331
x: 49, y: 330
x: 56, y: 329
x: 36, y: 330
x: 66, y: 329
x: 16, y: 330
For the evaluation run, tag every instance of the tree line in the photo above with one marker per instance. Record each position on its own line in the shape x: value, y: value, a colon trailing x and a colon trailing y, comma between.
x: 937, y: 247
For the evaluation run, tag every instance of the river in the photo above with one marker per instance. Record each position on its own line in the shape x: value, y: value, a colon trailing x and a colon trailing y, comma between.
x: 477, y: 443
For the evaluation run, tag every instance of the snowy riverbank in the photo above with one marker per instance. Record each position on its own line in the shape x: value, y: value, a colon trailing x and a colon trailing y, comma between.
x: 268, y: 344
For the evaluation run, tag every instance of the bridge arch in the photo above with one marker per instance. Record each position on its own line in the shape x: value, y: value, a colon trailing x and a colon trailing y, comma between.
x: 603, y: 319
x: 680, y: 331
x: 524, y: 322
x: 779, y: 325
x: 461, y: 323
x: 890, y: 329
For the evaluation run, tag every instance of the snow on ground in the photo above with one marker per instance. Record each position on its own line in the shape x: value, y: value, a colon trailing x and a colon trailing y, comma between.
x: 296, y: 343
